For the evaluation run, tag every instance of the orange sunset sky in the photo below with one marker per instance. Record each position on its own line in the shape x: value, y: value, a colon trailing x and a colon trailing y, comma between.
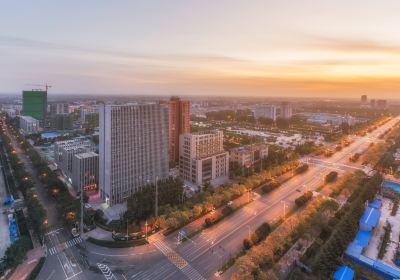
x: 209, y: 47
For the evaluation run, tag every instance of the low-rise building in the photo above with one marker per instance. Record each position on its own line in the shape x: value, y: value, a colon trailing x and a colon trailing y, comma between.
x: 28, y: 125
x: 250, y: 155
x: 202, y: 158
x: 85, y: 171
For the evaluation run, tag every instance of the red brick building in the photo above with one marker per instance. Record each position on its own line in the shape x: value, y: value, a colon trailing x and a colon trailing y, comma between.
x: 179, y: 117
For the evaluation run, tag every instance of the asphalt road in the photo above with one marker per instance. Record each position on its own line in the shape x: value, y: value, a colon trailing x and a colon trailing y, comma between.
x: 200, y: 257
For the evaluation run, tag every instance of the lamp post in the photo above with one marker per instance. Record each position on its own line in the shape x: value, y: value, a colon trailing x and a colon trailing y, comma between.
x: 284, y: 208
x: 156, y: 206
x: 146, y: 229
x: 81, y: 227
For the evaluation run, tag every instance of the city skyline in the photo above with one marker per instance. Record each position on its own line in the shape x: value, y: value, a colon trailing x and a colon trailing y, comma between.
x: 229, y: 48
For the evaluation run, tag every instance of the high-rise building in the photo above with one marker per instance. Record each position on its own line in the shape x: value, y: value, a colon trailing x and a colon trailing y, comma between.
x: 372, y: 103
x: 133, y: 148
x: 265, y: 111
x: 178, y: 123
x: 286, y: 110
x: 202, y: 158
x: 59, y: 108
x: 34, y: 104
x: 364, y: 99
x: 85, y: 171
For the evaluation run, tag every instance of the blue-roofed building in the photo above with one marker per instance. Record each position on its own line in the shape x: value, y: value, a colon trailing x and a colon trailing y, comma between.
x: 377, y: 204
x: 370, y: 219
x: 344, y: 273
x: 363, y: 238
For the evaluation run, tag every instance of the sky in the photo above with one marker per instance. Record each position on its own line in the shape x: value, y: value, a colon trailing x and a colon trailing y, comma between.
x: 206, y: 47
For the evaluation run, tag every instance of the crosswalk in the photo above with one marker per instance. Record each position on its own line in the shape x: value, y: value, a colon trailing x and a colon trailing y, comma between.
x: 65, y: 245
x: 177, y: 260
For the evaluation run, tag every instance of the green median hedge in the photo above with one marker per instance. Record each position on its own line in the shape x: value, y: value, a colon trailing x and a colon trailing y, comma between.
x: 117, y: 244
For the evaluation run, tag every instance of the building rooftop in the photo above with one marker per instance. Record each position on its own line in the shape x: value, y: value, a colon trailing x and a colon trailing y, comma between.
x: 371, y: 217
x: 28, y: 118
x: 344, y: 273
x: 86, y: 155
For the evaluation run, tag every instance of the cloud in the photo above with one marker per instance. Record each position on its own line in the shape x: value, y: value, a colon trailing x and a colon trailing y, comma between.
x: 350, y: 44
x: 43, y: 45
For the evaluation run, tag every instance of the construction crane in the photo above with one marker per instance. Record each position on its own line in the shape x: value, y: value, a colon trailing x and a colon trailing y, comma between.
x: 46, y: 85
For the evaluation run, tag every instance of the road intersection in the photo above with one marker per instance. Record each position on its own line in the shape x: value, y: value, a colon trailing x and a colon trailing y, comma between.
x: 202, y: 257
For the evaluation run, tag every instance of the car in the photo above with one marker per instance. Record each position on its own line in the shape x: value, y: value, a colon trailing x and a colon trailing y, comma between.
x: 230, y: 203
x: 298, y: 190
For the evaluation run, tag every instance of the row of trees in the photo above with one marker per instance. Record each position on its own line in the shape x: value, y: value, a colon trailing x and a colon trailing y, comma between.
x: 257, y: 236
x: 203, y: 202
x: 345, y: 225
x: 259, y: 259
x: 15, y: 253
x: 36, y: 212
x: 67, y: 206
x: 141, y: 205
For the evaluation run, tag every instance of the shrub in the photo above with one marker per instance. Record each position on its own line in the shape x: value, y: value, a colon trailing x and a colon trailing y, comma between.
x: 331, y: 177
x: 302, y: 200
x: 270, y: 187
x: 247, y: 244
x: 301, y: 169
x: 227, y: 210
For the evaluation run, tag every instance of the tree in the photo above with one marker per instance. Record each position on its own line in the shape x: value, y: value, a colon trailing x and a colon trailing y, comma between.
x: 331, y: 177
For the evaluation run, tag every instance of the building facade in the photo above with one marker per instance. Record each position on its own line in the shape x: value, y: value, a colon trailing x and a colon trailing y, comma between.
x: 58, y: 108
x: 178, y: 123
x: 61, y: 122
x: 28, y: 125
x: 248, y: 156
x: 64, y: 152
x: 85, y: 171
x: 34, y: 104
x: 286, y: 110
x: 89, y: 117
x: 202, y: 158
x: 133, y: 148
x: 265, y: 111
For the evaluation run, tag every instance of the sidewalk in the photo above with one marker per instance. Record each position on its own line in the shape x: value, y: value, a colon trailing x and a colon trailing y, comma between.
x: 23, y: 270
x: 100, y: 234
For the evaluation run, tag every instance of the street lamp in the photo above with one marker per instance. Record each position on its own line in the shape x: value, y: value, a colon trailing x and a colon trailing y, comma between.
x: 284, y: 208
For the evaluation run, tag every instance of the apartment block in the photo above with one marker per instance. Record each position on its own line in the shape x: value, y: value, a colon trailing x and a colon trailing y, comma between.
x: 178, y: 123
x: 202, y: 158
x: 133, y: 148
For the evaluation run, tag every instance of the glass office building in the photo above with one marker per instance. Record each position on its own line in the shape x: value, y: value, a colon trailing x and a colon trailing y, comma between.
x: 34, y: 103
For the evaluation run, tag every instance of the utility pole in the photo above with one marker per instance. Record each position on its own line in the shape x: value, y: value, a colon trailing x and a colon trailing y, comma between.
x: 146, y: 229
x: 127, y: 230
x: 81, y: 227
x: 156, y: 206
